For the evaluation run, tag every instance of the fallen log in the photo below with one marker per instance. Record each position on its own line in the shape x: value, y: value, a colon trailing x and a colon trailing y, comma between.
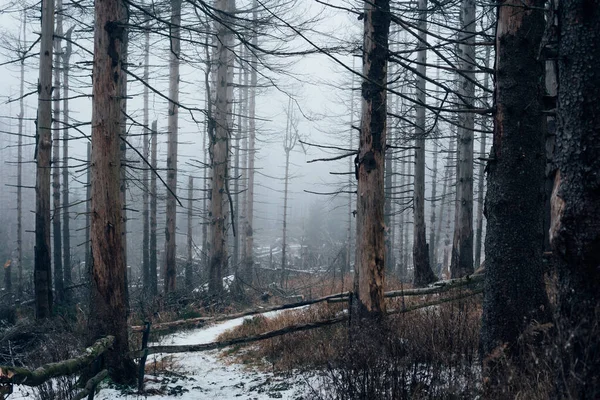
x: 283, y: 331
x: 90, y: 386
x: 220, y: 318
x: 24, y: 376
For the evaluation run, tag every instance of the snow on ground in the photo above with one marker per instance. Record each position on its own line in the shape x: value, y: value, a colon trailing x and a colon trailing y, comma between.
x: 204, y: 375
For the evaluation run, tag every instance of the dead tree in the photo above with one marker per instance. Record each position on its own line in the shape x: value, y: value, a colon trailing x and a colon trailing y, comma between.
x: 289, y: 142
x: 219, y: 151
x: 66, y: 234
x: 108, y: 303
x: 514, y: 201
x: 423, y: 274
x: 56, y: 206
x: 146, y: 154
x: 189, y: 264
x: 42, y: 278
x: 462, y: 246
x: 153, y: 265
x: 370, y: 233
x: 575, y: 229
x: 20, y: 160
x: 171, y: 227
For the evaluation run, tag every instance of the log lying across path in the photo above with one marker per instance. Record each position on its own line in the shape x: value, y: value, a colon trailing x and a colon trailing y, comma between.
x: 283, y: 331
x: 220, y: 318
x: 24, y: 376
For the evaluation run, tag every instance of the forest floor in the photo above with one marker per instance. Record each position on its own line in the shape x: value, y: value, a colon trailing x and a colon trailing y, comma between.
x: 210, y: 374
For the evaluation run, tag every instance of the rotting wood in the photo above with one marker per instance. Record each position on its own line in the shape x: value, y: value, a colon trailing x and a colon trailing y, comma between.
x: 24, y: 376
x: 90, y: 386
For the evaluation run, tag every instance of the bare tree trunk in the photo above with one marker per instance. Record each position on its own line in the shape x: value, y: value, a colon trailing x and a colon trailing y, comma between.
x: 351, y: 196
x: 219, y: 146
x: 146, y: 153
x: 56, y: 215
x: 67, y: 267
x: 42, y: 272
x: 575, y: 228
x: 289, y: 142
x: 88, y: 210
x: 370, y: 234
x: 434, y: 177
x: 20, y: 164
x: 481, y: 178
x: 244, y: 155
x: 188, y: 267
x: 108, y: 303
x: 236, y: 177
x: 514, y: 201
x: 171, y: 228
x: 123, y: 150
x: 448, y: 168
x: 401, y: 267
x: 423, y: 274
x: 249, y: 248
x: 462, y: 247
x: 153, y: 203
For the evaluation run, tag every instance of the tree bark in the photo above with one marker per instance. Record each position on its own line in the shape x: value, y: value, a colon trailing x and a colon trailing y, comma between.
x: 42, y: 272
x: 575, y: 227
x: 153, y: 205
x: 481, y: 177
x: 19, y: 163
x: 146, y: 154
x: 249, y: 234
x: 423, y: 274
x: 108, y: 289
x: 515, y: 292
x: 188, y: 266
x: 171, y: 228
x: 219, y: 147
x: 67, y: 267
x: 462, y: 247
x: 370, y: 234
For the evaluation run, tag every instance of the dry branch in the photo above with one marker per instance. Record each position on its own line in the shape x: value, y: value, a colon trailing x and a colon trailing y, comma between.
x: 90, y: 386
x: 24, y: 376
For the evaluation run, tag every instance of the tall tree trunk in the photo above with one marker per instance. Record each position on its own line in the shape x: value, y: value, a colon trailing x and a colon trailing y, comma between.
x: 190, y: 260
x: 236, y: 176
x: 575, y: 227
x: 434, y: 178
x: 219, y: 146
x: 108, y: 303
x: 401, y: 266
x: 153, y: 265
x: 68, y: 279
x: 146, y: 154
x: 56, y: 212
x: 42, y: 278
x: 462, y: 247
x: 514, y: 201
x: 123, y: 148
x: 409, y: 176
x: 286, y: 180
x: 249, y: 234
x: 170, y: 231
x: 88, y: 210
x: 370, y: 233
x: 351, y: 196
x: 481, y: 178
x: 20, y: 163
x: 244, y: 174
x: 423, y: 274
x: 448, y: 168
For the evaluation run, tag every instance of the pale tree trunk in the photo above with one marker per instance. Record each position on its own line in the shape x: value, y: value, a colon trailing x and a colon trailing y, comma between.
x: 219, y: 146
x: 481, y: 178
x: 244, y: 155
x: 146, y: 154
x: 42, y: 277
x: 67, y: 267
x: 351, y: 172
x: 188, y: 267
x: 123, y: 150
x: 170, y: 230
x: 575, y: 227
x: 515, y: 198
x: 434, y: 177
x: 249, y: 234
x: 88, y: 209
x: 56, y: 212
x: 462, y: 247
x: 409, y: 220
x: 108, y: 303
x: 448, y: 168
x: 20, y: 164
x: 289, y: 142
x: 389, y: 191
x: 236, y: 176
x: 153, y: 265
x: 423, y: 274
x: 401, y: 267
x: 370, y: 233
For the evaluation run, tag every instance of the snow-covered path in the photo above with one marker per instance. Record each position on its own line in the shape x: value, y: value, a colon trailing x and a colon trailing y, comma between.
x: 205, y: 375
